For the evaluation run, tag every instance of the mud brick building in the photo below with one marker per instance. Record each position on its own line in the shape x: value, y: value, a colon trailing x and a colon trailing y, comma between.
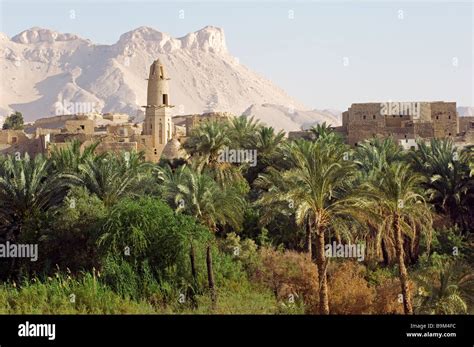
x: 406, y: 122
x: 160, y: 135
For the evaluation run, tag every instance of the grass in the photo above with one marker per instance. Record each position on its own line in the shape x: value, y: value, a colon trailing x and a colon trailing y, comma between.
x: 53, y: 296
x: 65, y: 295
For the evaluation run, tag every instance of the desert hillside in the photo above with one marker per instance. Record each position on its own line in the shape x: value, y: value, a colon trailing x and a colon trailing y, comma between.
x: 45, y: 72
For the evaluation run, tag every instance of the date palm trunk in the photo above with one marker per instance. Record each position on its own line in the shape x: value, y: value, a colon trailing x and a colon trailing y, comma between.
x: 415, y: 250
x: 403, y: 273
x: 387, y: 258
x: 309, y: 241
x: 12, y: 237
x: 210, y: 275
x: 192, y: 258
x: 321, y: 264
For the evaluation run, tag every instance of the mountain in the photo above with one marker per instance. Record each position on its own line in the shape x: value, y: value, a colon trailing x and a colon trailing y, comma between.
x: 45, y: 73
x: 288, y: 118
x: 465, y: 111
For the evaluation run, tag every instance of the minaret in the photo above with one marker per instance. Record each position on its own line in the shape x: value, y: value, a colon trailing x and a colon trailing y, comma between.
x: 157, y: 122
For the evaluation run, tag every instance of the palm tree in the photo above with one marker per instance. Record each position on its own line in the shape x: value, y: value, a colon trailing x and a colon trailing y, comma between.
x: 470, y: 158
x: 208, y: 139
x: 448, y: 184
x: 242, y: 131
x: 172, y: 180
x: 446, y: 288
x: 393, y: 197
x: 67, y: 159
x: 27, y: 187
x: 111, y: 177
x: 206, y: 143
x: 372, y: 157
x: 322, y: 130
x: 268, y: 143
x: 197, y: 194
x: 317, y: 185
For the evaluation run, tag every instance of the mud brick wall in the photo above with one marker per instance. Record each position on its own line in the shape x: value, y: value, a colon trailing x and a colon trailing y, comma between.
x: 466, y: 124
x: 444, y: 118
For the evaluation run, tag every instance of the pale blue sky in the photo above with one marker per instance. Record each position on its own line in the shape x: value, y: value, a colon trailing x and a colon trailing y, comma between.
x: 426, y: 55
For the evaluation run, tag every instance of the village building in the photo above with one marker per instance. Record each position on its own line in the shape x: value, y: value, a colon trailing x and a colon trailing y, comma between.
x: 162, y: 133
x: 405, y: 122
x: 159, y: 136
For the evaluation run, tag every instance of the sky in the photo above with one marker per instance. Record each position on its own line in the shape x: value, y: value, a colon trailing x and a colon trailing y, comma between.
x: 328, y: 54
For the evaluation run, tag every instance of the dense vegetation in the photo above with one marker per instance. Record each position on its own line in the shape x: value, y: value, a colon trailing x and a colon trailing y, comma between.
x: 116, y: 234
x: 13, y: 122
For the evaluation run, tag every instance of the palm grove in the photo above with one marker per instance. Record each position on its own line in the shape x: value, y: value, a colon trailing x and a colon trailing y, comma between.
x: 120, y: 235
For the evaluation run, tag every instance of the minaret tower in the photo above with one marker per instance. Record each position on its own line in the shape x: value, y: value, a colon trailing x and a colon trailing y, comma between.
x: 157, y: 124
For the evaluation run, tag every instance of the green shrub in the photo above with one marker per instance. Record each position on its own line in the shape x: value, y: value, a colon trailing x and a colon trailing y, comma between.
x: 147, y: 228
x: 450, y: 241
x: 244, y: 251
x: 69, y: 241
x: 145, y: 243
x: 65, y: 295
